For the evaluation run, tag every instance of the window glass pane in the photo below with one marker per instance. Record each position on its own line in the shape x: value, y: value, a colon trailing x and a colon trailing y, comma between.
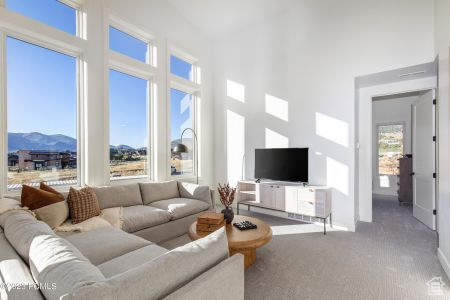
x: 127, y: 45
x: 390, y: 148
x: 181, y: 68
x: 42, y: 112
x: 50, y: 12
x: 181, y: 117
x: 128, y: 125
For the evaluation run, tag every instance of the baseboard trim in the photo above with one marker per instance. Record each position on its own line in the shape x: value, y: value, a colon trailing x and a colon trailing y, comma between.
x: 444, y: 262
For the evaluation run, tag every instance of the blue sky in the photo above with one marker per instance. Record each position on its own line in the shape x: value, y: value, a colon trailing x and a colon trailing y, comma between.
x: 41, y: 84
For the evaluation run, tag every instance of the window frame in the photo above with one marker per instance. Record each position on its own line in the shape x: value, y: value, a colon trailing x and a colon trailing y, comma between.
x: 34, y: 32
x: 377, y: 137
x: 79, y: 17
x: 136, y: 32
x: 195, y: 89
x: 133, y: 67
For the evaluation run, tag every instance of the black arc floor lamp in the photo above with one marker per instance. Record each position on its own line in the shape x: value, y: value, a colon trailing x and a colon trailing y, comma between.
x: 182, y: 148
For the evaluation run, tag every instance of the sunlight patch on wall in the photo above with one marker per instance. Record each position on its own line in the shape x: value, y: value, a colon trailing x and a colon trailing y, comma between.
x: 236, y: 91
x: 277, y: 107
x: 235, y: 146
x: 276, y: 140
x: 332, y: 129
x: 337, y: 176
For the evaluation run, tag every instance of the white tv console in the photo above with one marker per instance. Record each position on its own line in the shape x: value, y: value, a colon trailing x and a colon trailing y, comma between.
x: 313, y: 201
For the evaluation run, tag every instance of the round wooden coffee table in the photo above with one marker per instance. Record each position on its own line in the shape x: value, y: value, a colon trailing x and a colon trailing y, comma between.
x: 245, y: 241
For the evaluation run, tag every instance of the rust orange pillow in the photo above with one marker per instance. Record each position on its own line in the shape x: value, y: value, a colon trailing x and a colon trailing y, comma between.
x: 34, y: 198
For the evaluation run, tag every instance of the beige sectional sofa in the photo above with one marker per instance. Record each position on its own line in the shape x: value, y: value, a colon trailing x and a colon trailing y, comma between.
x: 109, y: 263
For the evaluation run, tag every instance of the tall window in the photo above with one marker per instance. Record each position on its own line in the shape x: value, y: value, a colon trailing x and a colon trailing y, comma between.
x: 390, y: 148
x: 50, y: 12
x: 42, y: 115
x: 128, y: 104
x: 182, y: 117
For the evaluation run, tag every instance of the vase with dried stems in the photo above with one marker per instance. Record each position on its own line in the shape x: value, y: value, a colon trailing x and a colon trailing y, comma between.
x: 227, y: 193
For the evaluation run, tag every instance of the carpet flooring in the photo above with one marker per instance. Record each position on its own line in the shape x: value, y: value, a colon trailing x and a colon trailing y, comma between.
x: 391, y: 258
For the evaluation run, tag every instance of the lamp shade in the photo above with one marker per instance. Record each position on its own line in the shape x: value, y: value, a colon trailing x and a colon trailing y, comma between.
x: 181, y: 148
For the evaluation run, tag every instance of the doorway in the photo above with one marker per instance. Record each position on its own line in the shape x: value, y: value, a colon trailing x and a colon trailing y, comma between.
x: 404, y: 164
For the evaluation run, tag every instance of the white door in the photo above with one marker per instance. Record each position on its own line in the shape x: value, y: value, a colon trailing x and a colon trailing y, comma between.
x: 423, y: 151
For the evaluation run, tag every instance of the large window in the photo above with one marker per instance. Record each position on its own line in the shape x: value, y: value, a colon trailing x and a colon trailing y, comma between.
x: 42, y: 115
x: 390, y: 148
x: 128, y: 45
x: 129, y: 110
x: 182, y: 117
x: 50, y: 12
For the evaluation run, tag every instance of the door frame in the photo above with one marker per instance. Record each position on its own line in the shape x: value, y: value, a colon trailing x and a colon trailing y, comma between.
x: 364, y: 136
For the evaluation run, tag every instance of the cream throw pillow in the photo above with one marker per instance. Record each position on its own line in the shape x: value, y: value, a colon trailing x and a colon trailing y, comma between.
x: 53, y: 214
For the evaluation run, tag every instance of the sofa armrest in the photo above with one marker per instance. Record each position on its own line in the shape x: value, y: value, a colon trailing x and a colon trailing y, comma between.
x: 225, y: 279
x: 195, y: 191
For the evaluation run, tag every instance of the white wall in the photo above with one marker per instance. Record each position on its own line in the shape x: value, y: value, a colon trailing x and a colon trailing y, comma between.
x: 309, y: 57
x: 395, y: 110
x: 442, y: 43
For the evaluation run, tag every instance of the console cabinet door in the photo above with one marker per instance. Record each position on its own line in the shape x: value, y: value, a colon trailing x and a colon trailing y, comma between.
x: 266, y: 195
x: 279, y: 192
x: 291, y: 199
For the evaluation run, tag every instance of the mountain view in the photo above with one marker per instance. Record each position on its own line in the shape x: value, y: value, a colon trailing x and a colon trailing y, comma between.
x: 55, y: 142
x: 39, y: 141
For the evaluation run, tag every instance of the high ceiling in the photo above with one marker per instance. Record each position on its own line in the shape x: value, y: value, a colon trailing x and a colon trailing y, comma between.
x: 219, y: 17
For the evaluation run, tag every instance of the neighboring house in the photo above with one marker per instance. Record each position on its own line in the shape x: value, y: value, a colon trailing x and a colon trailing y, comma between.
x: 38, y: 159
x: 13, y: 160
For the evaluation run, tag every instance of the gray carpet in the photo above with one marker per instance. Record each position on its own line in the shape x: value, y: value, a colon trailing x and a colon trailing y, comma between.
x: 391, y: 258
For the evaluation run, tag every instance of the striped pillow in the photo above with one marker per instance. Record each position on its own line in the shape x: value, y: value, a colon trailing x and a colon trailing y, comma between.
x: 83, y: 204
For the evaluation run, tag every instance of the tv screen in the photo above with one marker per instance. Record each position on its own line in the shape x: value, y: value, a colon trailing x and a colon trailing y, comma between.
x: 285, y: 164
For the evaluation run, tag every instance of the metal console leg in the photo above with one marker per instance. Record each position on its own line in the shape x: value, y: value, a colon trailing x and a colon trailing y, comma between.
x: 324, y: 226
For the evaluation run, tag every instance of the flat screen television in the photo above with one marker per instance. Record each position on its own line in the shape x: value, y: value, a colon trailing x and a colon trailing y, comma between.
x: 284, y: 164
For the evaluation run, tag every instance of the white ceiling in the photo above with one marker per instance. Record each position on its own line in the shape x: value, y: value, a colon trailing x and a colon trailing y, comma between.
x: 218, y: 17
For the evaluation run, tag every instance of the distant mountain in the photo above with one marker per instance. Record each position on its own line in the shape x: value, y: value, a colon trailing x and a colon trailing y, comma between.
x: 121, y: 147
x: 40, y: 141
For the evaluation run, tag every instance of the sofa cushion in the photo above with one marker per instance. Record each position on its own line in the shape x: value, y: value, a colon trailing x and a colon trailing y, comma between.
x: 21, y: 229
x: 155, y: 191
x: 60, y: 267
x: 194, y: 191
x: 120, y: 195
x: 162, y: 275
x: 131, y: 260
x: 139, y: 217
x: 181, y: 207
x: 103, y: 244
x: 15, y: 272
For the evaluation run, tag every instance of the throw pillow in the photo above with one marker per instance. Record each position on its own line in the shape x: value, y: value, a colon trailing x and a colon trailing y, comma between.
x: 34, y: 198
x: 48, y: 204
x: 83, y: 204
